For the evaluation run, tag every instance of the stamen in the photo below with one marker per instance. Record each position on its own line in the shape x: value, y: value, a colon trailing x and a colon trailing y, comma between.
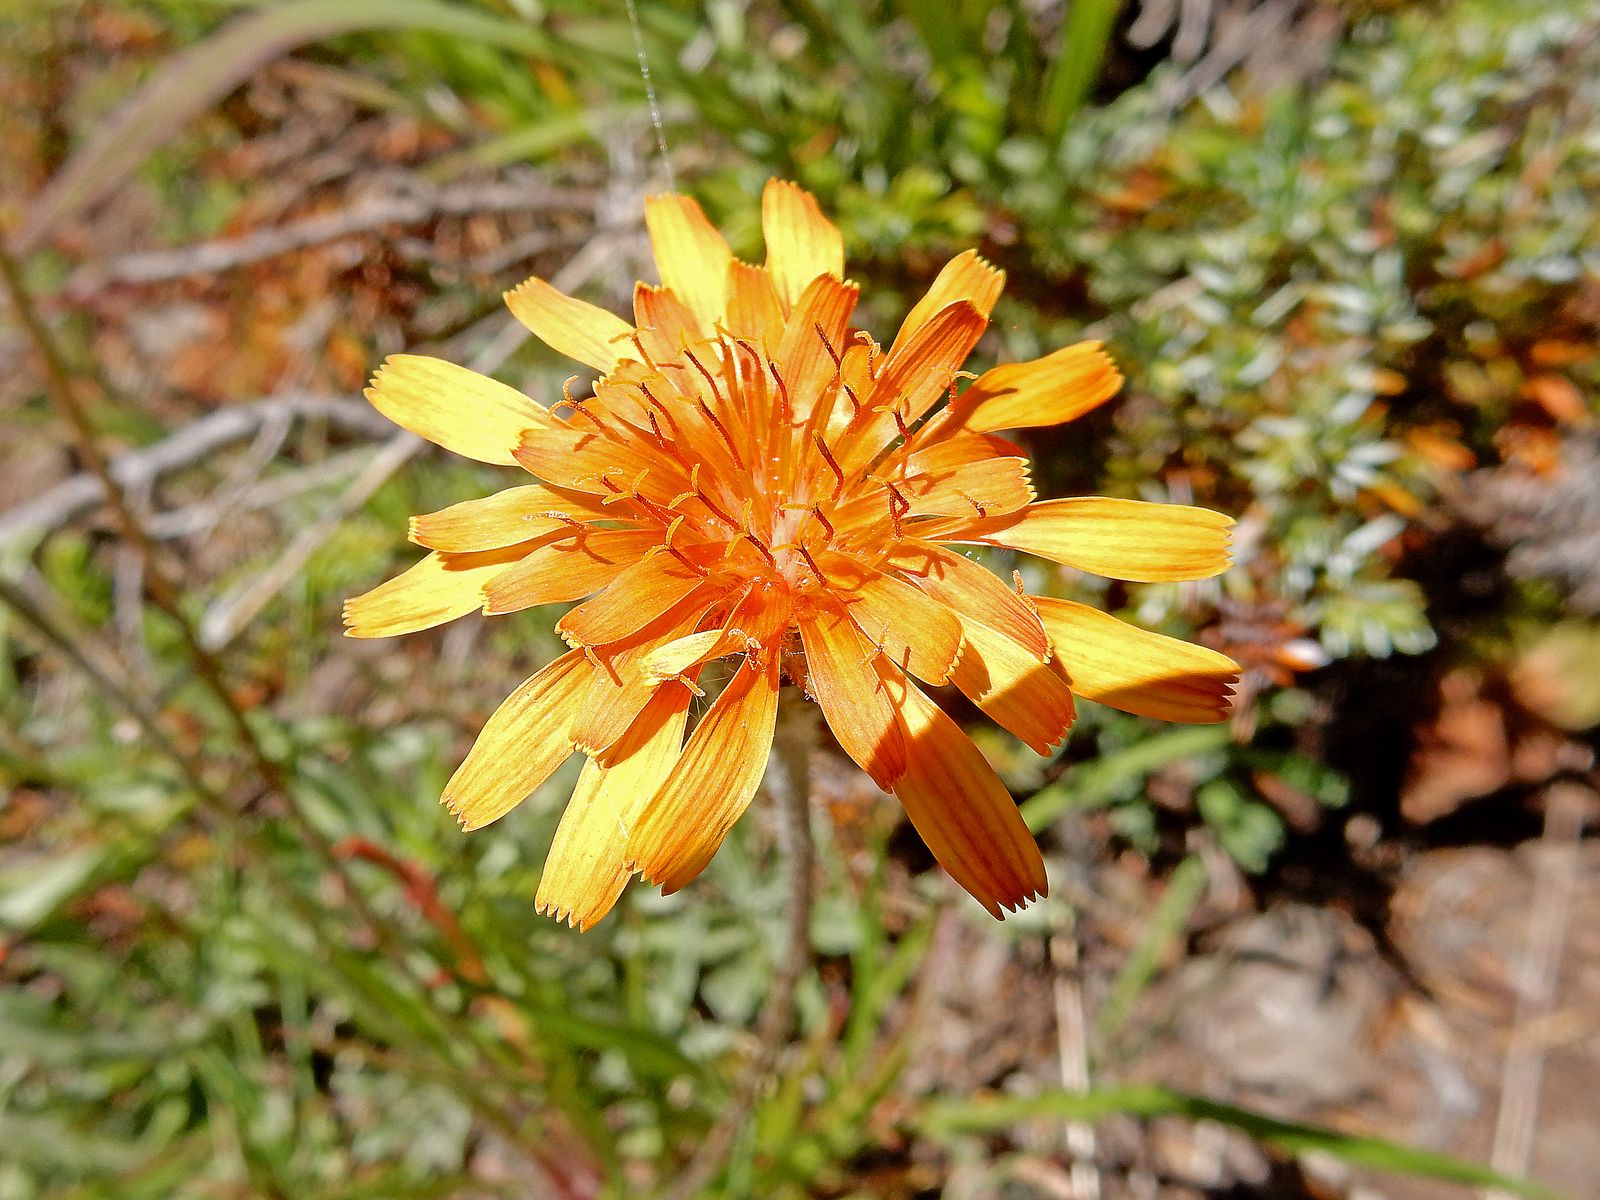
x: 688, y: 683
x: 833, y: 465
x: 838, y: 363
x: 810, y: 562
x: 638, y: 344
x: 727, y: 438
x: 787, y: 410
x: 899, y: 506
x: 861, y: 335
x: 982, y: 510
x: 855, y: 401
x: 816, y: 511
x: 744, y: 535
x: 709, y: 378
x: 1016, y: 580
x: 899, y: 422
x: 655, y: 428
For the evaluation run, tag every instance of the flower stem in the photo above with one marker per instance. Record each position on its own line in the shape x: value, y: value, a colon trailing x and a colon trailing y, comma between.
x: 788, y: 781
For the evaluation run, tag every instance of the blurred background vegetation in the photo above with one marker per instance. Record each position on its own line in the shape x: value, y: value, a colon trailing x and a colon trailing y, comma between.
x: 1346, y: 251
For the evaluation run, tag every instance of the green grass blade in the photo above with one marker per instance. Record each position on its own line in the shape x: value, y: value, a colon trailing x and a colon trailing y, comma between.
x: 998, y: 1114
x: 1184, y: 889
x: 196, y: 78
x: 1077, y: 63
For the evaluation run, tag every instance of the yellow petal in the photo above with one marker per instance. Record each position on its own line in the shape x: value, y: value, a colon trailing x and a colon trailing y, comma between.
x: 973, y: 591
x: 801, y: 242
x: 666, y: 326
x: 586, y: 869
x: 571, y: 327
x: 963, y: 812
x: 915, y: 375
x: 682, y: 825
x: 440, y: 588
x: 1025, y: 697
x: 803, y: 359
x: 567, y: 564
x: 631, y: 601
x: 917, y: 632
x: 621, y: 688
x: 503, y: 519
x: 1135, y: 670
x: 677, y: 656
x: 754, y: 310
x: 691, y: 256
x: 465, y: 412
x: 844, y: 679
x: 1047, y: 391
x: 965, y: 277
x: 1121, y: 539
x: 521, y: 745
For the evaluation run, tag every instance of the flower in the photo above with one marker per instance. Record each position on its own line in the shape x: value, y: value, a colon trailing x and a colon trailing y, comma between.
x: 752, y: 479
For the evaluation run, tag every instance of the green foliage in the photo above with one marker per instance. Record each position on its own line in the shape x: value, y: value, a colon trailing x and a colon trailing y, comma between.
x: 1295, y: 285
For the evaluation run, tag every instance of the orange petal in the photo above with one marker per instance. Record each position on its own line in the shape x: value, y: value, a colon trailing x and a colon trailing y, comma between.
x: 634, y: 598
x: 503, y: 519
x: 679, y: 655
x: 844, y: 679
x: 1046, y: 391
x: 801, y: 242
x: 963, y: 812
x: 965, y: 277
x: 521, y: 745
x: 568, y: 564
x: 973, y: 591
x: 440, y: 588
x: 1027, y: 698
x: 666, y: 325
x: 1121, y: 539
x: 683, y: 824
x: 465, y: 412
x: 916, y: 374
x: 691, y: 256
x: 753, y: 307
x: 581, y: 458
x: 913, y: 629
x: 803, y: 359
x: 621, y: 687
x: 571, y: 327
x: 586, y: 869
x: 986, y: 487
x: 1135, y: 670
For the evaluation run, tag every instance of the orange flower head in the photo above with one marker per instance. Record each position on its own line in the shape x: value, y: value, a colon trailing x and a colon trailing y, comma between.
x: 752, y: 479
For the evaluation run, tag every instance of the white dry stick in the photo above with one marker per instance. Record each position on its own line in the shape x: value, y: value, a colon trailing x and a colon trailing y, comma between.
x: 1555, y: 879
x: 141, y: 469
x: 1072, y: 1040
